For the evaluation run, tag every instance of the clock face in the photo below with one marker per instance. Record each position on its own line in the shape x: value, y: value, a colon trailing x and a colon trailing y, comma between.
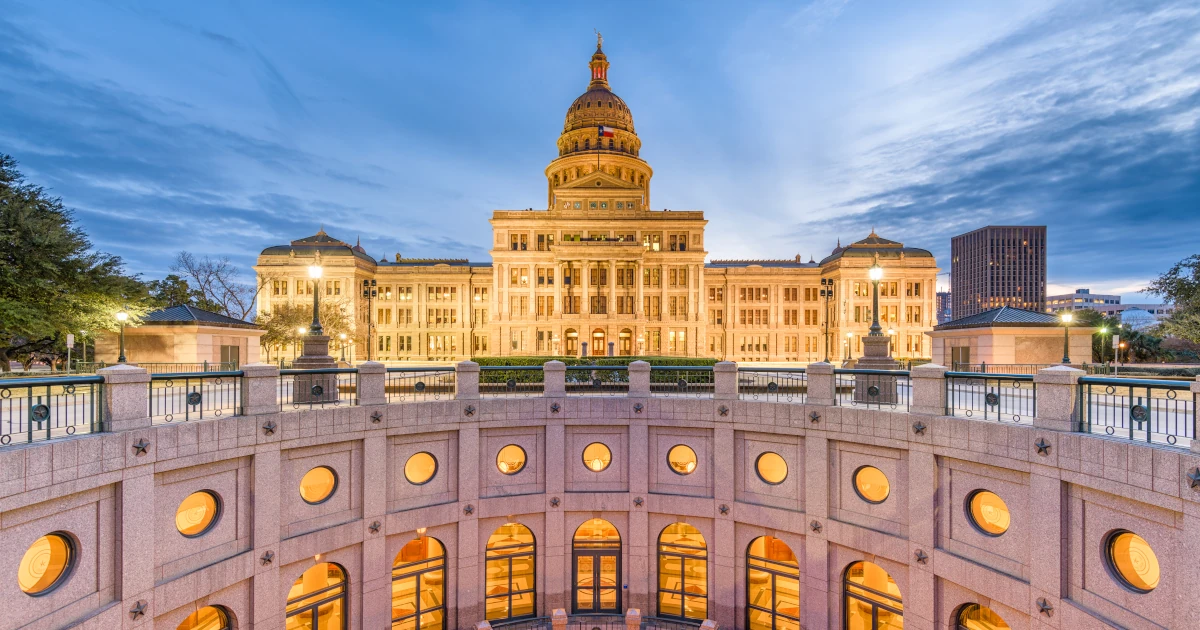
x: 577, y: 205
x: 604, y: 205
x: 592, y: 205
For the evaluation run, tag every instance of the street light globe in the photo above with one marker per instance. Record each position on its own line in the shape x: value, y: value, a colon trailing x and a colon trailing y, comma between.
x: 1067, y: 317
x: 891, y: 331
x: 301, y: 330
x: 875, y: 272
x: 342, y: 336
x: 849, y: 335
x: 122, y: 316
x: 315, y: 271
x: 1104, y: 330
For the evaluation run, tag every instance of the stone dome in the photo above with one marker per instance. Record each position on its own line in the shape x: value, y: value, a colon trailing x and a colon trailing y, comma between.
x: 598, y: 105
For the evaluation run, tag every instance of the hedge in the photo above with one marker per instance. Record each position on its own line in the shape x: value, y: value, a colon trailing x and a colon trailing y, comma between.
x: 535, y: 376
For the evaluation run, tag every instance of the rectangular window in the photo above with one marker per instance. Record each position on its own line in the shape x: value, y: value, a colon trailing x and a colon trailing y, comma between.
x: 716, y: 294
x: 652, y: 277
x: 598, y: 305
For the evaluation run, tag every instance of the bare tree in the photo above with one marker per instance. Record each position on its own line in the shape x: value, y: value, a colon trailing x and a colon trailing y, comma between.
x: 217, y: 280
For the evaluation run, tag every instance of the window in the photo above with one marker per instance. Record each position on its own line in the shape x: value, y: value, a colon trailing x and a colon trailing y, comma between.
x: 206, y: 618
x: 1131, y: 561
x: 988, y: 512
x: 771, y: 468
x: 912, y: 289
x: 871, y: 484
x: 318, y: 485
x: 197, y: 513
x: 279, y: 287
x: 681, y: 459
x: 519, y: 241
x: 682, y: 573
x: 420, y: 468
x: 716, y: 294
x: 772, y: 585
x: 46, y: 564
x: 716, y: 317
x: 509, y: 588
x: 976, y: 617
x: 333, y: 287
x: 652, y: 277
x: 419, y: 585
x: 596, y: 457
x: 511, y: 459
x: 317, y: 599
x: 872, y: 599
x: 596, y: 556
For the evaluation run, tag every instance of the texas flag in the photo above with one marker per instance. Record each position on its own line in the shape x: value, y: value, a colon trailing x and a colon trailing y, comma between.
x: 606, y: 132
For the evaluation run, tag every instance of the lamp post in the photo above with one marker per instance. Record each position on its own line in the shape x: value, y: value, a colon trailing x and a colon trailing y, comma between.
x: 892, y: 338
x: 342, y: 337
x: 369, y: 292
x: 1066, y: 317
x: 849, y: 336
x: 315, y: 272
x: 827, y: 294
x: 303, y: 331
x: 122, y: 316
x: 1103, y: 331
x: 876, y: 274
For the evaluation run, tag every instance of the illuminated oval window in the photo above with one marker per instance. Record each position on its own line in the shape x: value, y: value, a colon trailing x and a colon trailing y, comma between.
x: 420, y: 468
x: 976, y: 617
x: 771, y: 468
x: 207, y: 618
x: 197, y: 513
x: 318, y: 485
x: 46, y: 564
x: 682, y: 459
x: 511, y: 459
x: 871, y: 484
x: 1132, y: 561
x: 988, y: 512
x: 596, y: 457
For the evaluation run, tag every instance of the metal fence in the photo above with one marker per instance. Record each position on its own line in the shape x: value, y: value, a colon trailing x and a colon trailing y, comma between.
x: 419, y: 384
x: 500, y: 381
x: 162, y: 368
x: 33, y: 409
x: 594, y: 622
x: 299, y: 389
x: 1018, y: 368
x: 685, y: 382
x: 597, y: 380
x: 872, y: 388
x: 194, y: 396
x: 1001, y: 397
x: 773, y: 384
x: 1162, y: 412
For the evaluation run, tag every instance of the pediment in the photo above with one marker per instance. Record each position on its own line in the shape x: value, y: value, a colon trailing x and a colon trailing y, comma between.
x: 590, y: 181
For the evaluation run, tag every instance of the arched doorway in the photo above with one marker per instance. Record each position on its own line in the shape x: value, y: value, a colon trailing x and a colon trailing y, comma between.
x: 772, y: 585
x: 871, y: 598
x: 682, y: 573
x: 570, y: 342
x: 599, y: 347
x: 419, y: 585
x: 510, y: 588
x: 596, y: 556
x: 317, y: 599
x: 626, y: 342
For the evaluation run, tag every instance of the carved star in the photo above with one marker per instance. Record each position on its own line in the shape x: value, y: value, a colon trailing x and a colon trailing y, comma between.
x: 469, y: 510
x: 375, y: 527
x: 922, y: 557
x: 1194, y: 478
x: 140, y: 446
x: 919, y: 427
x: 1043, y: 447
x: 638, y: 501
x: 377, y: 417
x: 724, y: 509
x: 267, y: 558
x: 723, y: 410
x: 138, y: 610
x: 637, y: 408
x: 555, y: 408
x: 269, y: 427
x: 814, y: 416
x: 554, y: 502
x: 1044, y: 607
x: 815, y: 526
x: 470, y: 410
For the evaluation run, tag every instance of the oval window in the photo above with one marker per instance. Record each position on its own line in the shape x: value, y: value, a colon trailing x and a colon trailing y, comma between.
x: 596, y: 457
x: 771, y: 468
x: 46, y: 564
x: 207, y: 618
x: 420, y: 468
x: 989, y: 514
x: 871, y: 484
x: 511, y: 459
x: 682, y: 459
x: 197, y: 513
x: 318, y: 485
x: 976, y: 617
x: 1133, y: 561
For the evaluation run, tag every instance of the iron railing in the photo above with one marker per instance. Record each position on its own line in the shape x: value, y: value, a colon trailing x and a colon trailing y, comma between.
x: 410, y: 384
x: 34, y: 409
x: 1014, y: 368
x: 318, y: 388
x: 872, y: 388
x: 658, y: 623
x: 597, y: 380
x: 163, y: 368
x: 190, y: 396
x: 686, y: 382
x: 1153, y: 411
x: 499, y: 381
x: 1001, y: 397
x: 773, y: 384
x: 603, y: 622
x: 529, y: 623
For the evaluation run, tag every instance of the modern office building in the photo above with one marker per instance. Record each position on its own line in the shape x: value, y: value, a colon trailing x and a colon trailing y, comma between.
x: 998, y: 266
x: 1079, y: 300
x: 945, y: 307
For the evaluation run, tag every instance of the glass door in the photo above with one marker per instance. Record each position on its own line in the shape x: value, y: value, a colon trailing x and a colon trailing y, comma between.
x: 597, y: 582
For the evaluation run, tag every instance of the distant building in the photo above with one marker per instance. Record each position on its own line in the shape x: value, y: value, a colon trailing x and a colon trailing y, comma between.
x: 1079, y: 300
x: 184, y: 336
x: 998, y: 266
x: 945, y: 307
x: 1136, y: 316
x: 1009, y: 340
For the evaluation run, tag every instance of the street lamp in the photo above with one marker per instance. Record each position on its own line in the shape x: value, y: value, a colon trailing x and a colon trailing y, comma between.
x: 343, y: 338
x: 369, y: 292
x: 315, y: 272
x: 122, y: 316
x: 892, y: 336
x: 827, y: 293
x: 876, y: 274
x: 849, y: 336
x: 1103, y: 331
x: 1066, y: 320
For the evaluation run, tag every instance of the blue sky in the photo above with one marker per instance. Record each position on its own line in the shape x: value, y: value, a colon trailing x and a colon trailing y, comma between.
x: 223, y: 128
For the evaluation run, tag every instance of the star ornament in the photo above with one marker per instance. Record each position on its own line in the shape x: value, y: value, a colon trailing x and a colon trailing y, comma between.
x: 1043, y: 447
x: 140, y: 446
x: 138, y: 610
x: 1194, y: 478
x: 922, y: 557
x: 1044, y: 607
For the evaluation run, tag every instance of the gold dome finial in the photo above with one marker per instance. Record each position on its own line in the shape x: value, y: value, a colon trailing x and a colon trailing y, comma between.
x: 599, y: 65
x: 599, y: 40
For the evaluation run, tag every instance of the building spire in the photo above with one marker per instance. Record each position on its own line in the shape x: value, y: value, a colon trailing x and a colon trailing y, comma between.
x: 599, y: 40
x: 599, y: 65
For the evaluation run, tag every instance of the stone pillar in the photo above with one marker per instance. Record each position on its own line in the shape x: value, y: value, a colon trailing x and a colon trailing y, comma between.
x: 637, y: 281
x: 633, y: 619
x: 821, y: 384
x: 126, y: 397
x: 1195, y: 387
x: 1057, y: 398
x: 483, y: 625
x: 725, y: 381
x: 136, y: 537
x: 466, y: 375
x: 709, y: 624
x: 558, y: 619
x: 929, y: 389
x: 639, y: 379
x: 554, y: 374
x: 260, y: 389
x: 372, y: 377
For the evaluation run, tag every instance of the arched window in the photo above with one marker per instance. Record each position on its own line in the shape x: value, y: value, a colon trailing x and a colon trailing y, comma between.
x: 872, y: 599
x: 682, y: 573
x: 596, y: 553
x: 419, y: 585
x: 572, y: 342
x: 587, y: 144
x: 207, y: 618
x: 510, y: 589
x: 772, y: 585
x: 976, y: 617
x: 317, y: 599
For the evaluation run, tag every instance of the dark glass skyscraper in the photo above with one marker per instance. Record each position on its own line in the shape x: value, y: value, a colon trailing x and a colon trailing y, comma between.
x: 998, y: 266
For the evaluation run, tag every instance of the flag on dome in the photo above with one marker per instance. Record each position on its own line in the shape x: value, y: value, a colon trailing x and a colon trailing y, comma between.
x: 607, y: 132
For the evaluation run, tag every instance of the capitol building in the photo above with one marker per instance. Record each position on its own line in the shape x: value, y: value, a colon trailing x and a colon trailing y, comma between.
x: 599, y: 272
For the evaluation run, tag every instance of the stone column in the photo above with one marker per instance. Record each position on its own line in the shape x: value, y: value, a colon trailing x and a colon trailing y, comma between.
x: 821, y: 384
x: 1057, y: 398
x: 554, y: 375
x: 260, y: 389
x: 639, y: 379
x: 558, y: 619
x: 637, y: 307
x: 929, y: 389
x: 709, y: 624
x: 633, y: 619
x: 466, y: 376
x: 372, y: 378
x: 126, y: 397
x: 725, y: 384
x: 612, y: 287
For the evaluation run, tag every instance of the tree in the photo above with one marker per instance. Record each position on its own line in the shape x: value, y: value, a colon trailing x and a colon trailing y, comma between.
x: 174, y: 291
x: 51, y: 280
x: 1180, y: 286
x: 283, y: 322
x: 216, y: 282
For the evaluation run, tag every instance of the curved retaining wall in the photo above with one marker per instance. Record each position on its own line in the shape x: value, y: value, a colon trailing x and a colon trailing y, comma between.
x: 119, y: 503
